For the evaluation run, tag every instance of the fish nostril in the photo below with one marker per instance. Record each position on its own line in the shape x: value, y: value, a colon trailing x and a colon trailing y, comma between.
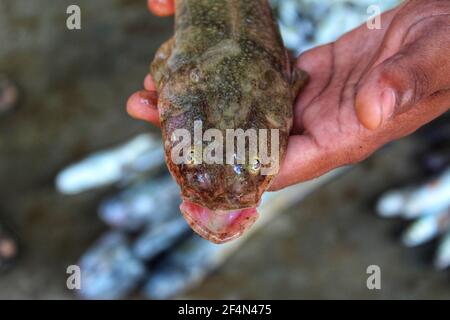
x: 203, y: 180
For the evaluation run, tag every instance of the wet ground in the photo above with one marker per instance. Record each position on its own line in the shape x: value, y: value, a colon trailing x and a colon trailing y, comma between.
x: 74, y: 85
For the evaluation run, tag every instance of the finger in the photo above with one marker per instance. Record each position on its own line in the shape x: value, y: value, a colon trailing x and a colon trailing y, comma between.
x: 318, y: 63
x: 142, y: 105
x: 401, y: 82
x: 426, y: 111
x: 149, y: 85
x: 304, y: 160
x: 162, y: 8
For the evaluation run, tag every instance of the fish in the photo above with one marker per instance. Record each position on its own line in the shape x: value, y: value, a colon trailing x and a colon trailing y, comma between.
x: 158, y: 239
x: 190, y: 261
x: 305, y: 24
x: 115, y: 265
x: 426, y: 228
x: 120, y: 164
x: 109, y: 269
x: 412, y: 202
x: 139, y: 205
x: 226, y: 68
x: 183, y: 268
x: 442, y: 258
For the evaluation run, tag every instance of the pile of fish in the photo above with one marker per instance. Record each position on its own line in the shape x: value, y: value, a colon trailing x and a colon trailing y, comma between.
x: 308, y: 23
x: 427, y: 204
x: 150, y: 246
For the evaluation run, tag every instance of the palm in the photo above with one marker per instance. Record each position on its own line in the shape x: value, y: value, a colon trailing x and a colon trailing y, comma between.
x: 325, y: 122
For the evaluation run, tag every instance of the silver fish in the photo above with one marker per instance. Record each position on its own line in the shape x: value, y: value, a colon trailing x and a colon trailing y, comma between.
x: 411, y: 203
x: 157, y: 239
x: 308, y: 23
x: 442, y: 259
x: 142, y: 154
x: 183, y: 268
x: 189, y: 263
x: 110, y: 270
x: 426, y: 228
x: 150, y: 202
x: 114, y: 266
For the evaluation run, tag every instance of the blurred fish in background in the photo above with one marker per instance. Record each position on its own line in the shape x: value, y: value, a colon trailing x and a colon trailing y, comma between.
x: 109, y: 268
x: 150, y: 244
x: 151, y: 202
x: 143, y: 153
x: 305, y: 24
x: 428, y: 204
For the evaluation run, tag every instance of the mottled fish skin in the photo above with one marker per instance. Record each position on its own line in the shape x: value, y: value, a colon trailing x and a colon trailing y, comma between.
x: 226, y: 66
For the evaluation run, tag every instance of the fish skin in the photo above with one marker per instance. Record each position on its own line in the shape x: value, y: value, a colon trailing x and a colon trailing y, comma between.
x: 226, y: 66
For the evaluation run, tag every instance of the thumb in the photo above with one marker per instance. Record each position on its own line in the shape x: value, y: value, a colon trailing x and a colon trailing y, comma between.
x: 162, y: 8
x: 403, y: 81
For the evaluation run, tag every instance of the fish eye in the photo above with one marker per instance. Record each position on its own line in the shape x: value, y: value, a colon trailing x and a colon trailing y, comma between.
x: 255, y: 166
x: 238, y: 169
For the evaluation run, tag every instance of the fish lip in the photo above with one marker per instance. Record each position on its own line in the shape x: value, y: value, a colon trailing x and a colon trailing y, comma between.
x: 221, y: 209
x: 244, y: 220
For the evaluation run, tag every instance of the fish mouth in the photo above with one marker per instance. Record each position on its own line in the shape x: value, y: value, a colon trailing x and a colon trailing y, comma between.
x: 218, y: 226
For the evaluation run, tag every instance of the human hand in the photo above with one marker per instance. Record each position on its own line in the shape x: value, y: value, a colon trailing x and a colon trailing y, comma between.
x: 368, y: 88
x: 142, y: 105
x: 162, y: 8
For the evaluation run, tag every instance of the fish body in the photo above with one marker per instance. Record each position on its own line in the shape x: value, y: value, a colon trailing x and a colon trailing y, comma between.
x: 410, y: 203
x: 140, y: 205
x: 158, y: 239
x: 442, y: 259
x: 427, y: 228
x: 226, y: 68
x: 123, y: 163
x: 110, y: 270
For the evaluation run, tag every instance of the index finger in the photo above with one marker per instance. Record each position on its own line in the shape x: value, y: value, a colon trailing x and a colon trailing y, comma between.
x: 162, y: 8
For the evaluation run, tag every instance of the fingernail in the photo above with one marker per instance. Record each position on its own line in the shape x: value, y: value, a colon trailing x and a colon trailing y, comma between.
x: 388, y: 101
x: 148, y: 98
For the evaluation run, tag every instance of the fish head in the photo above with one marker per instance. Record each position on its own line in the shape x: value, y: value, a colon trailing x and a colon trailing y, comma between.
x: 220, y: 196
x: 197, y: 104
x: 219, y: 201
